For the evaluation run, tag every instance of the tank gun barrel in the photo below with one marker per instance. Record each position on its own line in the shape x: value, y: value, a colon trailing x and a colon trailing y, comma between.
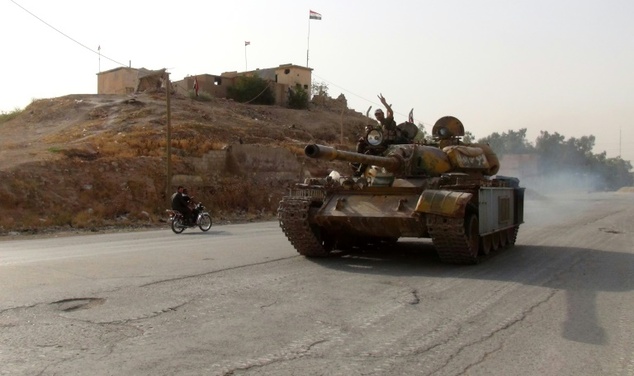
x: 390, y: 163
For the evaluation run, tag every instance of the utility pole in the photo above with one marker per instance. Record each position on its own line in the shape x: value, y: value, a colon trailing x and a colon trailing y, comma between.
x: 168, y: 189
x: 343, y: 109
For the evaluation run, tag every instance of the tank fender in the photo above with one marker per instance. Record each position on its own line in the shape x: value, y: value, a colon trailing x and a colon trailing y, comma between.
x: 442, y: 202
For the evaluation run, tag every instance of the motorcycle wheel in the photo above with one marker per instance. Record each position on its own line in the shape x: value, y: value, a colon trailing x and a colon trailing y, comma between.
x: 177, y: 225
x: 204, y: 222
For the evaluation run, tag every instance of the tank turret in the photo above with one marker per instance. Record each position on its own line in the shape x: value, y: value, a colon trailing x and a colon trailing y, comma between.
x: 417, y: 160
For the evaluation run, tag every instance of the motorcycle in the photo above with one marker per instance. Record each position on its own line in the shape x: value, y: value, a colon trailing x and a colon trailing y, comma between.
x: 179, y: 224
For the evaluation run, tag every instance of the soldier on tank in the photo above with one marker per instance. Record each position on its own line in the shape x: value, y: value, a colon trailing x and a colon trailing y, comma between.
x: 391, y: 133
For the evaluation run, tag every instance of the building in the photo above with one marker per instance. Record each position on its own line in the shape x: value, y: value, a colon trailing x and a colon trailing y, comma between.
x: 282, y: 78
x: 216, y: 86
x: 285, y: 74
x: 127, y: 80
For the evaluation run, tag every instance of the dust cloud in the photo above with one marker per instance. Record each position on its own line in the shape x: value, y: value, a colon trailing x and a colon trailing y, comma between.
x: 554, y: 198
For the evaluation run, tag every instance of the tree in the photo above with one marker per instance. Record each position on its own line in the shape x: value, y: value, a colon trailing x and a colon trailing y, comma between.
x: 421, y: 129
x: 559, y: 156
x: 468, y: 137
x: 319, y: 88
x: 511, y: 142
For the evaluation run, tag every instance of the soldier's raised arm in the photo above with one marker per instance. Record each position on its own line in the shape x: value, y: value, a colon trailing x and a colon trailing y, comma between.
x: 388, y: 108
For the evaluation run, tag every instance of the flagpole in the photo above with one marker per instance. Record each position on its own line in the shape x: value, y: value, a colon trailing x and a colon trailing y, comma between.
x: 245, y: 57
x: 311, y: 15
x: 308, y: 45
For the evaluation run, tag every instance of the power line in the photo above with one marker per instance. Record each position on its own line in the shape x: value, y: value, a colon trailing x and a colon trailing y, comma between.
x: 121, y: 64
x: 52, y: 27
x: 365, y: 99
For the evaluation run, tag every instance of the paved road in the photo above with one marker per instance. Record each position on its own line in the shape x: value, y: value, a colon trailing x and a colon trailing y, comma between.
x: 238, y: 300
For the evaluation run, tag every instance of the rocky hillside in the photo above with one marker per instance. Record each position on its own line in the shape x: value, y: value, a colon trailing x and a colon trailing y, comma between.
x: 94, y: 161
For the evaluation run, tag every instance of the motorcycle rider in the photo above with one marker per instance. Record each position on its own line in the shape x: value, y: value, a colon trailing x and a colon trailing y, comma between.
x: 191, y: 205
x: 180, y: 202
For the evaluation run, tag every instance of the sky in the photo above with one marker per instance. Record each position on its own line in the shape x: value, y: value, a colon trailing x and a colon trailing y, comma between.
x: 563, y: 66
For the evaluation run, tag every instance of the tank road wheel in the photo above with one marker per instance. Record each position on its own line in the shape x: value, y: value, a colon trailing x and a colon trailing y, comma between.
x: 485, y: 244
x: 503, y: 238
x: 472, y: 234
x: 495, y: 241
x: 511, y: 234
x: 309, y: 240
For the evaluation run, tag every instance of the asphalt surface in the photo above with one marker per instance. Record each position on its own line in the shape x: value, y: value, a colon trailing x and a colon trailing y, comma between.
x: 238, y: 300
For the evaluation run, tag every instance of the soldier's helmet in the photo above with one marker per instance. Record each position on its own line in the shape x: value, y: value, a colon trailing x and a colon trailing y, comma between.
x: 447, y: 127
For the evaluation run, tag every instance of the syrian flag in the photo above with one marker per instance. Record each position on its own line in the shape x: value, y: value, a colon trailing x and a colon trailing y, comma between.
x: 314, y: 16
x: 410, y: 118
x: 246, y: 43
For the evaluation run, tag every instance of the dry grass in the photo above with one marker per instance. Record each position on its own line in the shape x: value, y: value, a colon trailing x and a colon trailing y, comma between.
x: 110, y: 152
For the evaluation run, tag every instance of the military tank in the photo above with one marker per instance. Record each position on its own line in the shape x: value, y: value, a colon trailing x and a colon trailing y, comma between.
x: 445, y: 190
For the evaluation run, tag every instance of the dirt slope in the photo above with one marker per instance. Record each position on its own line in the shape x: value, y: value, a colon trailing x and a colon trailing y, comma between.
x: 99, y: 160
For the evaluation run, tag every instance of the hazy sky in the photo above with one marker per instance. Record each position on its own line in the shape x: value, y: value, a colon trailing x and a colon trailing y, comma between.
x: 562, y: 66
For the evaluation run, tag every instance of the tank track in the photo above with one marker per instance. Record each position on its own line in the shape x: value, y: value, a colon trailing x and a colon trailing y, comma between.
x: 450, y: 240
x: 293, y: 216
x: 513, y: 237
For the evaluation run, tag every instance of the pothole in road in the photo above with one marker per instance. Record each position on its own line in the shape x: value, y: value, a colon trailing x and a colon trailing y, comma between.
x: 70, y: 305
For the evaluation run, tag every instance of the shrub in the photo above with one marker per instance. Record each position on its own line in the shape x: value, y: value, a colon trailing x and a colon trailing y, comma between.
x: 251, y: 90
x: 298, y: 98
x: 203, y: 96
x: 6, y: 116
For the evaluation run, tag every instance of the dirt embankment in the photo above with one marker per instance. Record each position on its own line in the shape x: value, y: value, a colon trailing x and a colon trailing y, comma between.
x: 96, y: 161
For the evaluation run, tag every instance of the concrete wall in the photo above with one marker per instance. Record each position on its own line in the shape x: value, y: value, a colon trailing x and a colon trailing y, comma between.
x: 216, y: 86
x: 117, y: 81
x: 266, y: 161
x: 286, y: 74
x: 255, y: 161
x: 292, y: 74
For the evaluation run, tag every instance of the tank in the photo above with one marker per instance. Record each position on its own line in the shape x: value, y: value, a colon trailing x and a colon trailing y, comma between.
x: 446, y: 191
